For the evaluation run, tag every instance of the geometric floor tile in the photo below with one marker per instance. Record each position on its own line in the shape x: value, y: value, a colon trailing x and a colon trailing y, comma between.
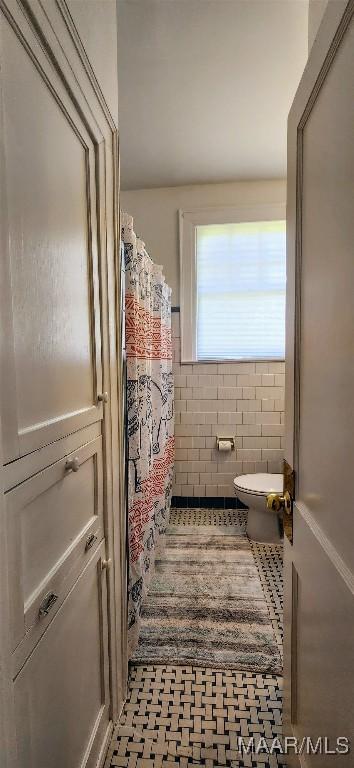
x: 200, y: 516
x: 191, y: 716
x: 269, y: 561
x: 188, y: 716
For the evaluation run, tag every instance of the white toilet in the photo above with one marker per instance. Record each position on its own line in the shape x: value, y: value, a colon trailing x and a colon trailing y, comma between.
x: 252, y: 490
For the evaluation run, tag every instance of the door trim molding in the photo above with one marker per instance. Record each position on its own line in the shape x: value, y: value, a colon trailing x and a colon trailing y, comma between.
x: 337, y: 39
x: 294, y: 643
x: 7, y: 712
x: 85, y: 61
x: 7, y: 708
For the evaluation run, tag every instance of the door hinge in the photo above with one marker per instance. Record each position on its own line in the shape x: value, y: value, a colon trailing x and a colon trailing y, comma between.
x: 289, y: 490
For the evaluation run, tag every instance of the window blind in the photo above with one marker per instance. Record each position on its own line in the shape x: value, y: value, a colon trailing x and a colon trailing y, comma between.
x: 241, y: 276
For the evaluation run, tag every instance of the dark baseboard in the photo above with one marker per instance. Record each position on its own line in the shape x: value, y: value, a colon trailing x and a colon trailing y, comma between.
x: 207, y: 502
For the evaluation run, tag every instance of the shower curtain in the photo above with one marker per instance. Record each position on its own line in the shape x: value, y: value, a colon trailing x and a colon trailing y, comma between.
x: 150, y: 415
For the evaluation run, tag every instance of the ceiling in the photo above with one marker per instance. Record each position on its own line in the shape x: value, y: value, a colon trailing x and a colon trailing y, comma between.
x: 205, y: 87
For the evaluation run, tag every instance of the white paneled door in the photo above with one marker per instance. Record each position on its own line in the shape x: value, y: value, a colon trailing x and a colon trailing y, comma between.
x: 59, y: 384
x: 319, y: 564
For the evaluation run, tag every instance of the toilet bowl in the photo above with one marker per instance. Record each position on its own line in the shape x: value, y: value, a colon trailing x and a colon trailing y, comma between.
x: 252, y: 490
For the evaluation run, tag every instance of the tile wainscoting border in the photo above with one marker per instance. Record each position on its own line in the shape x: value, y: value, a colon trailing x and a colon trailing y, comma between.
x: 207, y: 502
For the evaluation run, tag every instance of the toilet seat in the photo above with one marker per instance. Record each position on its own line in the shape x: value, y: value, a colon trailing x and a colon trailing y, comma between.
x: 259, y: 484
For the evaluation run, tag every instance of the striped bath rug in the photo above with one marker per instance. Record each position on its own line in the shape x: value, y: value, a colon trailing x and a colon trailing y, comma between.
x: 205, y: 605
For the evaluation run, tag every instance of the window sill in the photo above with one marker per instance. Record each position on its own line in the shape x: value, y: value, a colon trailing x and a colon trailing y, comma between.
x: 232, y: 360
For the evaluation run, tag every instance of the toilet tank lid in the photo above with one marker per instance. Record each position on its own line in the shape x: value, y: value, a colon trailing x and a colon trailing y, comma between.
x: 263, y: 482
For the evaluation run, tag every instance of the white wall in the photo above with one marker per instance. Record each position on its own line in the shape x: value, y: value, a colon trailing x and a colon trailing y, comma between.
x: 316, y: 11
x: 155, y: 213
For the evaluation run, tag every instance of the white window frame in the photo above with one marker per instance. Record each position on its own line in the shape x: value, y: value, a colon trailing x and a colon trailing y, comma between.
x: 189, y: 220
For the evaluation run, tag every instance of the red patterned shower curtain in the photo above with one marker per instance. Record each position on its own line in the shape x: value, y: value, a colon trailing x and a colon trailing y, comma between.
x: 150, y: 407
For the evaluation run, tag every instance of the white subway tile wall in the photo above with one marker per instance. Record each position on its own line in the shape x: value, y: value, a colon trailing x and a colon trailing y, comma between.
x: 241, y: 400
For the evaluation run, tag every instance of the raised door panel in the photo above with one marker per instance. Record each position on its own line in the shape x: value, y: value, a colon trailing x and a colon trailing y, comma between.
x: 61, y: 694
x: 53, y: 377
x: 53, y: 520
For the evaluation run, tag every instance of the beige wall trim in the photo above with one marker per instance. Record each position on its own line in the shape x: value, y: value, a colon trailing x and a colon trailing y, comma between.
x: 118, y: 449
x: 7, y: 734
x: 294, y: 642
x: 7, y: 719
x: 105, y: 745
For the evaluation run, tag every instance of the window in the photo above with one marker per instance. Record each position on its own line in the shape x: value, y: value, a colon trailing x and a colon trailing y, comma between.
x: 233, y: 276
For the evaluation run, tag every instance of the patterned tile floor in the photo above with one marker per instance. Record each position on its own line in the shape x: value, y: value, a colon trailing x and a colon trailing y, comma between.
x: 209, y: 517
x: 269, y: 561
x: 189, y: 716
